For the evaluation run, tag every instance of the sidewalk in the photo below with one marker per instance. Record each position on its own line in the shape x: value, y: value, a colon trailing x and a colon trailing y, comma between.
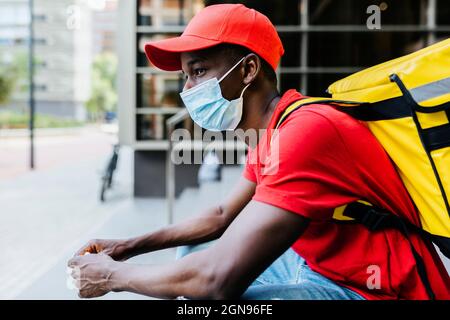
x: 63, y: 146
x: 47, y: 212
x: 134, y: 217
x: 39, y: 132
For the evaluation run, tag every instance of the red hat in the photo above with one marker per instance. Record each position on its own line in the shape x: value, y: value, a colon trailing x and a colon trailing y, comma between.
x: 216, y: 24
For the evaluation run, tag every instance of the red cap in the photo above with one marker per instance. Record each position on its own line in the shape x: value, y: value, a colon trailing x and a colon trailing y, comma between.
x: 216, y: 24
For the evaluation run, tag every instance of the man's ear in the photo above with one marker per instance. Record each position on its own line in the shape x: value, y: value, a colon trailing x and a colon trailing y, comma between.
x: 252, y: 66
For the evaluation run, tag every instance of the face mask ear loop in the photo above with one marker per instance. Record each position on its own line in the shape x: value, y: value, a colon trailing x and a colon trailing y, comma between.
x: 242, y: 93
x: 228, y: 72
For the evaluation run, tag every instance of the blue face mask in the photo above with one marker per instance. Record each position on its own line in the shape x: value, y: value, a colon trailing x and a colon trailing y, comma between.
x: 209, y: 109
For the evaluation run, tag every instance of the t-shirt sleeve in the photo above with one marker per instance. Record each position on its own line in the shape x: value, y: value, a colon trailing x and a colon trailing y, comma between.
x: 249, y: 170
x: 308, y: 169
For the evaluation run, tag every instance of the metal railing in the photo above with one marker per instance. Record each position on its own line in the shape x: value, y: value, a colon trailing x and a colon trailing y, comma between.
x: 170, y: 166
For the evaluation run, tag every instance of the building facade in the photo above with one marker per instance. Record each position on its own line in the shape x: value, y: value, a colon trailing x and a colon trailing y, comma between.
x: 104, y: 28
x: 324, y: 41
x: 63, y: 53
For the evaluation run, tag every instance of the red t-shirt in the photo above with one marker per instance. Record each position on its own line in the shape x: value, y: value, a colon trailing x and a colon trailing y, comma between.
x: 320, y: 159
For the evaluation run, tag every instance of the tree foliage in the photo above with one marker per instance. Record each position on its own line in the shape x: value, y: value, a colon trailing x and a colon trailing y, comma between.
x: 103, y: 94
x: 7, y: 83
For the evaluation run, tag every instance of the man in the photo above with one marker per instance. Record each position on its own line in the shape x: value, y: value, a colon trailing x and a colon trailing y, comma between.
x: 276, y: 236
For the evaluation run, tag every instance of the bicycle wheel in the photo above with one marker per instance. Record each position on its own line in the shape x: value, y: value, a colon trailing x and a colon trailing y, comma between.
x: 104, y: 187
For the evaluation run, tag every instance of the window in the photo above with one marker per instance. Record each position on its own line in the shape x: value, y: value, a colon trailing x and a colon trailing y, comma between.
x: 40, y: 17
x: 40, y: 87
x: 14, y: 14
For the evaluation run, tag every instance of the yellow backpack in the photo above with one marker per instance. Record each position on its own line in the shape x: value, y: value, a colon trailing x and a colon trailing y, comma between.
x: 405, y: 103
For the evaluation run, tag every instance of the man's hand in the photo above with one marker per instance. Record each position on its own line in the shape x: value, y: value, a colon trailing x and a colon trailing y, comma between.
x: 118, y: 250
x: 92, y: 274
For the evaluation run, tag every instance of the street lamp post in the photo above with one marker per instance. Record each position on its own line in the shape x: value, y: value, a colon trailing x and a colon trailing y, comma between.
x: 31, y: 82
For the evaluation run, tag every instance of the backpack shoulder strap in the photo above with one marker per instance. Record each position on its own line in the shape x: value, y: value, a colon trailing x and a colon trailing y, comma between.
x: 314, y: 100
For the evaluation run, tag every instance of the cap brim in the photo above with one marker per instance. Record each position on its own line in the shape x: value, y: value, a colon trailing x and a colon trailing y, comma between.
x: 165, y: 54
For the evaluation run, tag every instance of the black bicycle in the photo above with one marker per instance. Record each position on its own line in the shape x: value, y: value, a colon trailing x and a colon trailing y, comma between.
x: 107, y: 177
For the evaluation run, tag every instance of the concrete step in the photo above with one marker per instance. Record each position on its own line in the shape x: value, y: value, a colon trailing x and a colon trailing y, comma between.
x: 211, y: 193
x: 230, y: 175
x: 194, y: 200
x: 187, y: 204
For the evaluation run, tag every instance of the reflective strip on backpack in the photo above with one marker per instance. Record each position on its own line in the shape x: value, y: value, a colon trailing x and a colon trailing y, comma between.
x: 431, y: 90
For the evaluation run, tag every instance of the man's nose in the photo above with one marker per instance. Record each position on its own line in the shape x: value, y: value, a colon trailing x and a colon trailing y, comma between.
x: 187, y: 85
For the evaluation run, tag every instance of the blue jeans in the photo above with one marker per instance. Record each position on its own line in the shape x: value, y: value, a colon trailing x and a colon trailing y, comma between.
x: 288, y: 278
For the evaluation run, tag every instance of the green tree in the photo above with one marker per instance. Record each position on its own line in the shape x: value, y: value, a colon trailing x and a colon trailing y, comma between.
x: 7, y: 84
x: 10, y: 75
x: 103, y: 94
x: 14, y: 75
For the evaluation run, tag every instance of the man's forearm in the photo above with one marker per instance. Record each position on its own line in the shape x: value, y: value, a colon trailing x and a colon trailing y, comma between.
x: 204, y: 227
x: 186, y: 277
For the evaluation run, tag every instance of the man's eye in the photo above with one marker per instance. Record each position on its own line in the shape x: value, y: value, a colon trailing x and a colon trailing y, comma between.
x: 199, y: 72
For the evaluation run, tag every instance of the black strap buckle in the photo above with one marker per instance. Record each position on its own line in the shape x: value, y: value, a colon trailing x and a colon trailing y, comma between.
x: 375, y: 219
